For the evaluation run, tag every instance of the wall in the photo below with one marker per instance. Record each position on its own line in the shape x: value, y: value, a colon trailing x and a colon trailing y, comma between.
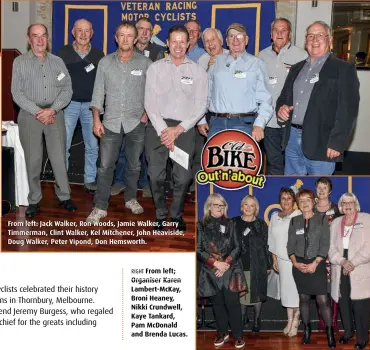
x: 360, y: 141
x: 306, y: 14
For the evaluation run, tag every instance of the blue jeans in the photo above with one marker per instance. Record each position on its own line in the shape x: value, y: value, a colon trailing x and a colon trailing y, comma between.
x: 297, y: 164
x: 217, y: 124
x: 75, y: 111
x: 119, y: 174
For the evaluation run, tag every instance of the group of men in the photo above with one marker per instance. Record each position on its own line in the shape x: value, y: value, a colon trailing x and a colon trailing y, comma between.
x: 302, y: 104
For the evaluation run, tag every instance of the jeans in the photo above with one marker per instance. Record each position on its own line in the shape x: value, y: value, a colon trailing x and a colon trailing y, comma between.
x: 119, y: 174
x: 297, y: 164
x: 217, y: 124
x: 274, y: 154
x: 75, y: 111
x: 110, y: 146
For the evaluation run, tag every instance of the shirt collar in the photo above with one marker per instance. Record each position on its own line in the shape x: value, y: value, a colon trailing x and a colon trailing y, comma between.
x: 283, y: 49
x: 32, y: 55
x: 80, y: 53
x: 319, y: 60
x: 194, y: 48
x: 186, y: 60
x: 244, y: 56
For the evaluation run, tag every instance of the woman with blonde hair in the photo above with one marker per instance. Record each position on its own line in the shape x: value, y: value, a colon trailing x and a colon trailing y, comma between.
x: 349, y: 255
x: 255, y: 257
x: 221, y: 276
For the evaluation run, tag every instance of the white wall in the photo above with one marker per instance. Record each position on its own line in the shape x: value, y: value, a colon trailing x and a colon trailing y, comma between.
x: 15, y: 24
x: 361, y: 141
x: 306, y: 14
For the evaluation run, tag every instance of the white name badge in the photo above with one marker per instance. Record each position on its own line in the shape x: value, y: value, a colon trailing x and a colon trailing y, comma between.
x: 222, y: 228
x: 300, y: 232
x: 89, y: 68
x: 240, y: 75
x: 187, y: 80
x: 146, y: 53
x: 137, y: 72
x: 60, y: 76
x: 273, y: 80
x: 358, y: 225
x: 246, y: 231
x: 330, y: 212
x: 314, y: 79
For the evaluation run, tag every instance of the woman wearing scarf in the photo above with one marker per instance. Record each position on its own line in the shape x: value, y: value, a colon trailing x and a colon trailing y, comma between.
x: 349, y: 255
x: 221, y: 276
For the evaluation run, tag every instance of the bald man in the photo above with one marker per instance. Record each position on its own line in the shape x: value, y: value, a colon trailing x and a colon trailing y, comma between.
x: 82, y: 62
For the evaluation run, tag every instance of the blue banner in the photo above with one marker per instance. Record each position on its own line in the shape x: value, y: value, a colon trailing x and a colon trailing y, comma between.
x: 268, y: 197
x: 255, y: 15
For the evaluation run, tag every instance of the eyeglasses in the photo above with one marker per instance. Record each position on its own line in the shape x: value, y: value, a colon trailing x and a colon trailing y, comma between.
x: 219, y: 206
x: 238, y: 37
x: 318, y: 36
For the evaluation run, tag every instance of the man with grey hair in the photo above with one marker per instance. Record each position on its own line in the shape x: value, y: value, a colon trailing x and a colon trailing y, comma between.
x: 41, y: 87
x: 279, y: 57
x: 318, y: 107
x: 212, y: 42
x: 82, y: 62
x: 194, y: 29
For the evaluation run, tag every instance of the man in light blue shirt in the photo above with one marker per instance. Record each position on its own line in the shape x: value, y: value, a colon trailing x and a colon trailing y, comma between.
x: 194, y: 51
x: 238, y: 95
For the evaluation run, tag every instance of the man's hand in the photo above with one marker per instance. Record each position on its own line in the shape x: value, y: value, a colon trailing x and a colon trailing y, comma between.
x: 331, y: 153
x: 144, y: 118
x: 257, y: 133
x: 46, y: 116
x: 211, y: 61
x: 98, y: 128
x: 284, y: 112
x: 203, y: 129
x: 275, y: 266
x: 170, y: 134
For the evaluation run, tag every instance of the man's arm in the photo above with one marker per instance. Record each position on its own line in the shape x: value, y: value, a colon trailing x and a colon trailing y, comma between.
x: 18, y: 94
x: 97, y: 100
x: 283, y: 99
x: 66, y: 92
x: 347, y: 109
x: 151, y: 103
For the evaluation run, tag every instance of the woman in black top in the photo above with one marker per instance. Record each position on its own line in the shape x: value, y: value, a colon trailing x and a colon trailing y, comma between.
x: 325, y: 206
x: 256, y: 258
x: 221, y: 276
x: 308, y: 246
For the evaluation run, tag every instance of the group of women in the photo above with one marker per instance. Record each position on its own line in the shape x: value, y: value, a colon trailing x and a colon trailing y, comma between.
x: 318, y: 249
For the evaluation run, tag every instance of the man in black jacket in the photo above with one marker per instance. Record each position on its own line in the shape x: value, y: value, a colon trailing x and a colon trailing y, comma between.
x: 318, y: 107
x: 82, y: 62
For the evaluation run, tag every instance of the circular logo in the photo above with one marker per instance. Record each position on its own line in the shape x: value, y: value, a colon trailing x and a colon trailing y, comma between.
x: 231, y: 159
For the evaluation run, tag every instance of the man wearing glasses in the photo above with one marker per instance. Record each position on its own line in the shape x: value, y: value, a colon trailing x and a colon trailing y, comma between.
x: 238, y: 89
x: 279, y: 57
x: 194, y: 51
x: 42, y: 87
x: 317, y: 107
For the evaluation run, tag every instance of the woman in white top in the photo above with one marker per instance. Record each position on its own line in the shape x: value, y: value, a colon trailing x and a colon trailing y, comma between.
x: 277, y: 242
x: 349, y: 255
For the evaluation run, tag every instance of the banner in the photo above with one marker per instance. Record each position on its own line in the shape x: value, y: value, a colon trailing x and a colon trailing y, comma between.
x: 105, y: 16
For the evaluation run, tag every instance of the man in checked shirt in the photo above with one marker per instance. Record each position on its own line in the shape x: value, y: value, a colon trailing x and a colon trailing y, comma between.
x: 41, y: 87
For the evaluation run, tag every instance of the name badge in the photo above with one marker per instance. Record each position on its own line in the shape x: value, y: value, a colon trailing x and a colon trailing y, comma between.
x: 137, y: 72
x: 300, y: 231
x: 314, y: 79
x: 330, y: 212
x: 146, y: 53
x: 89, y: 68
x: 60, y: 76
x: 240, y: 75
x: 187, y: 80
x: 246, y: 231
x: 358, y: 225
x: 222, y: 228
x: 273, y: 80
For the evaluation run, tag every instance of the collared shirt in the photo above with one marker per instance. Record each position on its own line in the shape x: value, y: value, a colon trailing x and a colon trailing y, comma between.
x: 204, y: 59
x: 240, y: 86
x: 39, y: 84
x: 84, y: 54
x: 177, y: 93
x: 303, y: 86
x: 278, y: 66
x: 122, y: 85
x: 153, y: 51
x: 195, y: 52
